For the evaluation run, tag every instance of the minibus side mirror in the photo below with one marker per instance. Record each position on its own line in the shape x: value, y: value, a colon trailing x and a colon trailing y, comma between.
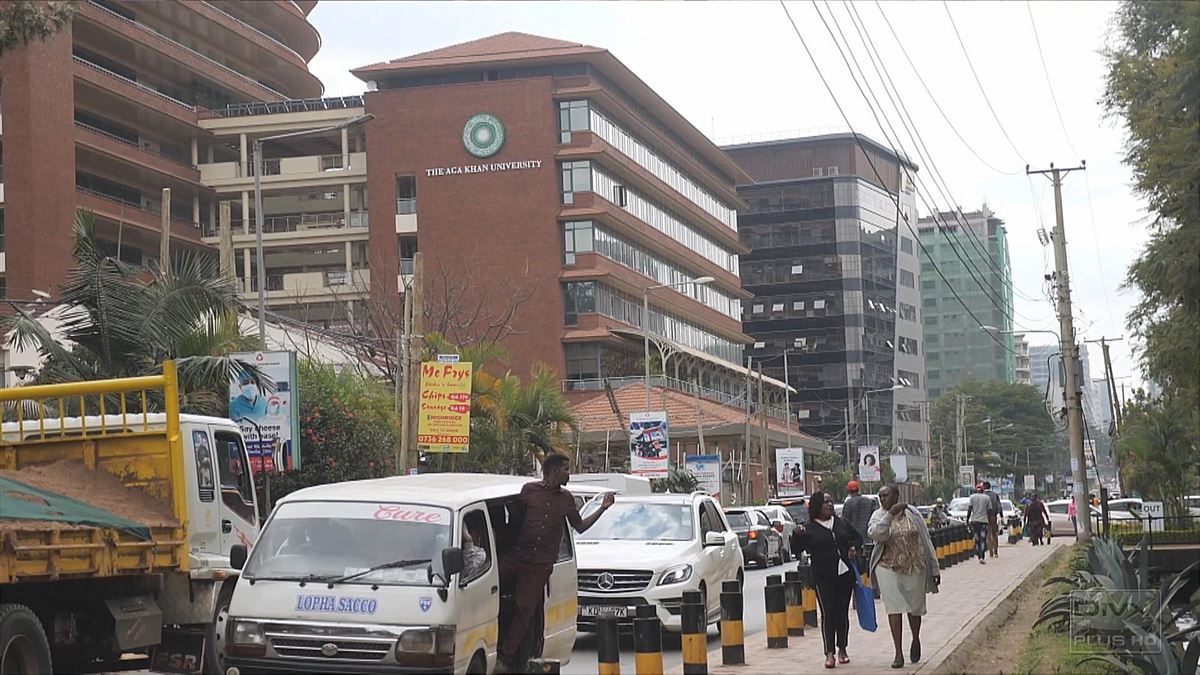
x: 237, y: 556
x: 452, y: 561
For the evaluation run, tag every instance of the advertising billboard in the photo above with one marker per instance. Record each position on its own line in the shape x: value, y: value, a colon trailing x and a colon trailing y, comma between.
x: 789, y: 472
x: 649, y: 444
x: 899, y: 467
x: 868, y: 463
x: 444, y: 413
x: 707, y: 470
x: 270, y: 421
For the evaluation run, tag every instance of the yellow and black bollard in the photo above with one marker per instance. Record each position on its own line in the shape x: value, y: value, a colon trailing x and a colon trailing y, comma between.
x: 793, y: 598
x: 733, y: 645
x: 939, y: 543
x: 647, y: 642
x: 608, y: 647
x: 776, y: 605
x: 956, y: 544
x: 965, y: 543
x: 694, y: 633
x: 808, y: 593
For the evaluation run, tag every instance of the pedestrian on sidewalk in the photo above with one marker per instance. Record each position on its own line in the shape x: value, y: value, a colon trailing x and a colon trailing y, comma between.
x: 977, y: 518
x: 903, y: 568
x: 1036, y: 517
x: 993, y: 533
x: 831, y: 544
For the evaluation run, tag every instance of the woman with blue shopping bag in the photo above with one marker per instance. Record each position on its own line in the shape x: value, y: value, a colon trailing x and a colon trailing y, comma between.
x: 903, y: 567
x: 832, y: 545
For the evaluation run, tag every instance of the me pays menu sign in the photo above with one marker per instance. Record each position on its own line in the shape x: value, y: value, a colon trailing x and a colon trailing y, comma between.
x: 444, y: 412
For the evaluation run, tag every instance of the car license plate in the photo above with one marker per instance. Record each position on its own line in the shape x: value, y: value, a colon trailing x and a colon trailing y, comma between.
x: 604, y: 611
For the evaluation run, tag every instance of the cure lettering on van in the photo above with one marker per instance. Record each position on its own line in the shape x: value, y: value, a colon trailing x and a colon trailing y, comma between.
x: 334, y: 605
x: 408, y: 514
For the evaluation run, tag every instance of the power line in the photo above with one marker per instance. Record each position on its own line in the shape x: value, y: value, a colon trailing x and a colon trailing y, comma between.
x: 914, y: 134
x: 934, y: 99
x: 1046, y: 72
x: 871, y: 162
x: 971, y: 268
x: 1096, y: 247
x: 980, y: 84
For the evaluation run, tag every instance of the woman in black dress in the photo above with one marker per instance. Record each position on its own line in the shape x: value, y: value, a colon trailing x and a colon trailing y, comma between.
x: 831, y: 544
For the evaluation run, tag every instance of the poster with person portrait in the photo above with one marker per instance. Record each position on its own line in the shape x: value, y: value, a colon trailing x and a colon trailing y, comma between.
x: 269, y: 420
x: 868, y: 463
x: 789, y: 472
x: 649, y: 444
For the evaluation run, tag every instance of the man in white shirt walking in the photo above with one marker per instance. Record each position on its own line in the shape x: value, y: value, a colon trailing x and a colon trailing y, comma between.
x: 977, y: 519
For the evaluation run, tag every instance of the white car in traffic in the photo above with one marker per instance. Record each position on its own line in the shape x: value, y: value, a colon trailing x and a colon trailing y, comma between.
x: 958, y: 509
x: 649, y: 550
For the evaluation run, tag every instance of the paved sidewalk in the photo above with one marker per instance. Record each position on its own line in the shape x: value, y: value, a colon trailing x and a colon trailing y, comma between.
x: 969, y: 591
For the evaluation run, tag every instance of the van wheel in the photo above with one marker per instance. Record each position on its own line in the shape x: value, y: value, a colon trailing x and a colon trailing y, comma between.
x: 478, y: 665
x: 24, y: 649
x: 214, y: 656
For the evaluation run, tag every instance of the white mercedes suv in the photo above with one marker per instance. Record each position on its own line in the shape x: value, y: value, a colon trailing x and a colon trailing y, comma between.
x: 648, y: 550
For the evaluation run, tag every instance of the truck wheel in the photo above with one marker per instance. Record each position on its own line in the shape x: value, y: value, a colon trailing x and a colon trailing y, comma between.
x: 214, y: 653
x: 24, y: 649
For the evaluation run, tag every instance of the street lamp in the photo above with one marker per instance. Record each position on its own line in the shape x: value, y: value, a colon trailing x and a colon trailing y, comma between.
x: 867, y: 405
x: 258, y: 211
x: 699, y: 281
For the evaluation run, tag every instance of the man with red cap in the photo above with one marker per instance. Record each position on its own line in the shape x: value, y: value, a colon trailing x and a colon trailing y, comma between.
x: 857, y: 510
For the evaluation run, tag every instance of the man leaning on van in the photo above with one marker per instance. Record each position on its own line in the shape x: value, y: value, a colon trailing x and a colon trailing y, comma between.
x: 530, y: 561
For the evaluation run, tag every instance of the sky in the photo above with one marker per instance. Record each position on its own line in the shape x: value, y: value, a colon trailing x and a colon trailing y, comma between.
x: 739, y: 72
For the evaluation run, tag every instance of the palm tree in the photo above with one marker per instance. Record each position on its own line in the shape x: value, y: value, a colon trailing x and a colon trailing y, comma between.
x: 124, y: 321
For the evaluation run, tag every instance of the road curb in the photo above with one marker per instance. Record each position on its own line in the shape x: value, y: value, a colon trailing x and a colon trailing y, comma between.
x: 954, y: 657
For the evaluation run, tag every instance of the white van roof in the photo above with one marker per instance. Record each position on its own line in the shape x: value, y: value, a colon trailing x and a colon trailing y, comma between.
x: 452, y: 490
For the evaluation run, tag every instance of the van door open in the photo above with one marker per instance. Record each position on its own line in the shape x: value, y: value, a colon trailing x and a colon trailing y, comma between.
x: 477, y: 601
x: 237, y: 510
x: 563, y: 604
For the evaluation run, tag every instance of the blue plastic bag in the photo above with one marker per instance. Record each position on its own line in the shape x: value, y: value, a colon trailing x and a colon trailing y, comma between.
x: 864, y: 601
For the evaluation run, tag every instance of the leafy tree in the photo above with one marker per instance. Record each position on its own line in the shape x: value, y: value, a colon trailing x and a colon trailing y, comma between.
x: 348, y: 430
x: 996, y: 445
x: 1159, y: 450
x: 124, y: 321
x: 23, y: 21
x: 1153, y: 87
x: 678, y: 481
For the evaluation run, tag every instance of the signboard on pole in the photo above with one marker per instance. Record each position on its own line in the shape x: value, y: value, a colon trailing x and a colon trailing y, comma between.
x: 649, y: 444
x: 707, y: 470
x: 868, y: 463
x: 444, y: 411
x: 900, y: 467
x: 270, y: 421
x: 1153, y: 513
x: 966, y: 475
x: 1030, y: 482
x: 789, y: 472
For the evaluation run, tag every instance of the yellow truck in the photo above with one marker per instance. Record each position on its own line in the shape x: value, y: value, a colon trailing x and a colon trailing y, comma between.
x: 116, y: 526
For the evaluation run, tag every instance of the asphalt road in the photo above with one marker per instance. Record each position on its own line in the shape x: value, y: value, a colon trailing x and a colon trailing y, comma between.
x: 583, y: 658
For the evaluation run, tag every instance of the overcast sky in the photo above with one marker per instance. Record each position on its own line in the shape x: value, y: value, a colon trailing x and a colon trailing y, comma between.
x: 737, y: 70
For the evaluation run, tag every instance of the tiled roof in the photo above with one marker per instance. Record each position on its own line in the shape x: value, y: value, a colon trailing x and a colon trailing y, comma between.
x: 501, y: 47
x: 593, y: 412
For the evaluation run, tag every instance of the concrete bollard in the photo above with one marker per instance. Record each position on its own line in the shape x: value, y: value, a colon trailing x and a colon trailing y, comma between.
x: 776, y: 605
x: 793, y: 598
x: 608, y: 647
x: 939, y: 544
x: 808, y: 594
x: 647, y: 642
x: 733, y: 637
x: 694, y: 633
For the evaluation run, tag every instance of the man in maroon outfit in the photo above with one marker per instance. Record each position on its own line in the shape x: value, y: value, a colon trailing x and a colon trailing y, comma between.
x: 529, y: 562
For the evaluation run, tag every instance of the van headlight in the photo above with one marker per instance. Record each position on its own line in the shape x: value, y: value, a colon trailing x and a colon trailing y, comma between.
x: 426, y: 641
x: 248, y: 639
x: 675, y: 575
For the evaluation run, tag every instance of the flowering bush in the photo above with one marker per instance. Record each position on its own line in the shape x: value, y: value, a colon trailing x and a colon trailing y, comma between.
x: 348, y: 430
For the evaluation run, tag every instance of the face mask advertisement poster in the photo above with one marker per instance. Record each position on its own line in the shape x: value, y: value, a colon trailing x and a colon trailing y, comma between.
x: 649, y: 444
x: 707, y: 470
x: 270, y: 420
x: 789, y: 471
x: 868, y: 463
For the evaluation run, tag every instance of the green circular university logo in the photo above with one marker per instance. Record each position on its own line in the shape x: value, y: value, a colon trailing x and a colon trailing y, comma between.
x: 483, y: 136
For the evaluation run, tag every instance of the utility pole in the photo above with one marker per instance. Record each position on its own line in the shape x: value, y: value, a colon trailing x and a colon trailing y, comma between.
x: 164, y: 243
x: 745, y: 482
x: 959, y: 432
x: 1114, y: 405
x: 1070, y: 350
x: 402, y: 386
x: 764, y: 454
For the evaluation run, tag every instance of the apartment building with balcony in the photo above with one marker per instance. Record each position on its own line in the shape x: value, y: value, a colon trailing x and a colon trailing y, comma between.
x: 546, y: 188
x: 314, y: 199
x: 106, y: 113
x: 835, y: 278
